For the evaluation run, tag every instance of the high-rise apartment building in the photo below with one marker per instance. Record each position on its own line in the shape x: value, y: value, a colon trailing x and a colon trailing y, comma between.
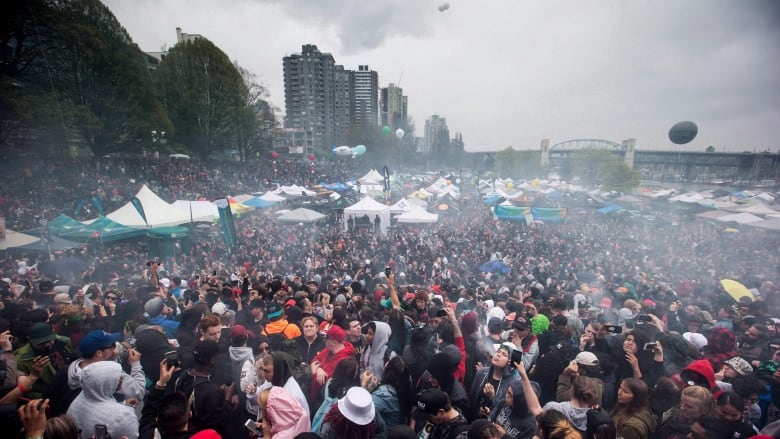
x: 437, y: 135
x: 393, y: 107
x: 310, y: 94
x: 364, y: 90
x: 342, y: 102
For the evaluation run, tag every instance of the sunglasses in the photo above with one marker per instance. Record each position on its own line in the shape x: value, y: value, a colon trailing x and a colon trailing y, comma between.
x: 264, y: 349
x: 112, y: 298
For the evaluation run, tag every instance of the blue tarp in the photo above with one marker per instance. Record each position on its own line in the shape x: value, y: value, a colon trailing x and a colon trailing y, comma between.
x: 258, y: 203
x: 609, y: 208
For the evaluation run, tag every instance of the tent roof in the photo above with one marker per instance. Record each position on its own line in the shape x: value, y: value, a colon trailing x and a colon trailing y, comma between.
x: 367, y: 204
x: 158, y: 212
x: 758, y: 209
x: 741, y: 218
x: 371, y: 177
x: 418, y: 215
x: 713, y: 214
x: 270, y: 196
x: 300, y: 215
x: 402, y: 205
x: 202, y: 211
x: 16, y: 239
x: 771, y: 224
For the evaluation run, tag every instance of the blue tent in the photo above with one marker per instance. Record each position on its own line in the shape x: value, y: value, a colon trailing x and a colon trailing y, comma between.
x: 258, y: 203
x: 609, y: 208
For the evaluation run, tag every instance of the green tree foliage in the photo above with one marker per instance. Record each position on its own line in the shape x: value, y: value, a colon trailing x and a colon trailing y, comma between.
x: 601, y: 168
x: 75, y: 77
x: 205, y: 97
x: 518, y: 164
x: 255, y: 118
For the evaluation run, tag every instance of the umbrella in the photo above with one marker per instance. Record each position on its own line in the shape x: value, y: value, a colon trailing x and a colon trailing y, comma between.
x: 736, y: 289
x: 495, y: 266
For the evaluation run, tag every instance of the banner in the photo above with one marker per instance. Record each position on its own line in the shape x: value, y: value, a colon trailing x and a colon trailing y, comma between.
x: 550, y: 214
x: 512, y: 213
x: 140, y: 208
x: 226, y: 223
x: 98, y: 203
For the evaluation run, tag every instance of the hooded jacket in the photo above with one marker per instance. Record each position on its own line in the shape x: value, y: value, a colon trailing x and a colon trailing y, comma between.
x: 96, y: 404
x: 283, y: 377
x: 639, y: 425
x: 133, y: 385
x: 373, y: 357
x: 288, y: 418
x: 239, y: 357
x: 703, y: 368
x: 475, y: 395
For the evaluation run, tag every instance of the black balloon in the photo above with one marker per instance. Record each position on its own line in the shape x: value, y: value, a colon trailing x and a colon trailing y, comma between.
x: 683, y: 132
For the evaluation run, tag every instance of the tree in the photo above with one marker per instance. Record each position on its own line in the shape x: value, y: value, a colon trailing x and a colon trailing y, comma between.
x: 601, y: 168
x: 75, y: 77
x: 255, y: 117
x: 204, y: 95
x: 514, y: 164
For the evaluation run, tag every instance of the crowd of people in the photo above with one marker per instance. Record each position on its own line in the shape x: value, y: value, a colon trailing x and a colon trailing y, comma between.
x: 602, y: 327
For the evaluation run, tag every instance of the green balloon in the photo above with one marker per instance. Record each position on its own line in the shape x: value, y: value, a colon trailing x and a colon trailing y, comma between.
x: 386, y: 130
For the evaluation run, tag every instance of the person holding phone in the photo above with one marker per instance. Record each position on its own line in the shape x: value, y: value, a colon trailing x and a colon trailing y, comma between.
x: 491, y: 382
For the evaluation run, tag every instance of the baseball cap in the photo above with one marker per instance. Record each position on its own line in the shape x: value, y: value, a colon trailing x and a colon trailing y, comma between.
x: 290, y: 302
x: 431, y: 401
x: 239, y: 332
x: 165, y: 282
x: 205, y: 350
x: 336, y: 333
x: 63, y: 298
x: 41, y: 333
x: 219, y: 308
x: 586, y: 359
x: 97, y: 340
x: 740, y: 365
x: 521, y: 323
x: 273, y: 310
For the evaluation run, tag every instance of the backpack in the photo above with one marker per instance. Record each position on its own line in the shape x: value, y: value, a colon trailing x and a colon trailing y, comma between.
x: 276, y: 339
x: 186, y: 383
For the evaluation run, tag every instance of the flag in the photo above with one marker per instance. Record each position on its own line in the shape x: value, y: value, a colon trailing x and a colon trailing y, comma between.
x: 98, y: 203
x: 140, y: 208
x: 226, y: 223
x: 386, y: 174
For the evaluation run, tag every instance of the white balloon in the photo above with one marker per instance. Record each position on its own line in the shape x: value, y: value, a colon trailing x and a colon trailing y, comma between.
x: 399, y: 133
x: 342, y: 150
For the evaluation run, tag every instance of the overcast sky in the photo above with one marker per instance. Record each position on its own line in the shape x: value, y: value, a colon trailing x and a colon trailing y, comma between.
x: 510, y: 73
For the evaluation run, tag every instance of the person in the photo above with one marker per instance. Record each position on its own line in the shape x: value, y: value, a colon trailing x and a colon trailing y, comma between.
x: 209, y: 400
x: 282, y: 415
x: 167, y: 413
x: 585, y: 394
x: 344, y: 377
x: 311, y: 342
x: 491, y: 382
x: 101, y: 346
x: 43, y: 343
x: 513, y: 415
x: 632, y: 416
x: 634, y: 361
x: 158, y: 312
x: 242, y: 369
x: 393, y: 397
x: 695, y: 402
x: 730, y: 408
x: 353, y: 416
x: 278, y: 371
x: 709, y: 427
x: 484, y: 429
x: 96, y: 404
x: 374, y: 355
x: 556, y: 425
x: 33, y: 418
x: 444, y: 420
x: 252, y: 316
x: 325, y: 362
x: 278, y: 328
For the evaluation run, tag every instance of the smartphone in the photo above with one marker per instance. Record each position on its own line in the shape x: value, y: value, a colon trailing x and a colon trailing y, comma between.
x: 650, y: 346
x: 172, y: 359
x: 101, y: 432
x: 388, y: 271
x: 250, y: 425
x: 517, y: 356
x: 441, y: 313
x: 614, y: 329
x: 630, y: 324
x: 642, y: 319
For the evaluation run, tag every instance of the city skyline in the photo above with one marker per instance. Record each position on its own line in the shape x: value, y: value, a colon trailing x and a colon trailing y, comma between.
x: 507, y: 74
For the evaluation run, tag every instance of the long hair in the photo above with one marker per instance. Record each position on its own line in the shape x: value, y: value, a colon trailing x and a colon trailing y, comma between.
x: 638, y: 402
x: 344, y: 376
x: 587, y: 390
x: 343, y: 427
x: 556, y: 425
x: 61, y: 427
x: 398, y: 376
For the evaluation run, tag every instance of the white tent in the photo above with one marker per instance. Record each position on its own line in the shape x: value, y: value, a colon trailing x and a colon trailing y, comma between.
x: 270, y: 196
x: 16, y: 239
x: 741, y: 218
x: 294, y: 191
x: 771, y: 224
x: 402, y: 205
x: 202, y: 211
x: 418, y: 215
x: 158, y: 212
x: 300, y: 215
x: 371, y: 208
x: 758, y: 209
x: 371, y: 177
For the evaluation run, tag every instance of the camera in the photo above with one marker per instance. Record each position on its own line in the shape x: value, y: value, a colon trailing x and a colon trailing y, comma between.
x: 155, y: 260
x: 650, y: 346
x: 641, y: 319
x: 515, y: 357
x: 388, y: 271
x: 101, y: 431
x: 172, y: 359
x: 613, y: 329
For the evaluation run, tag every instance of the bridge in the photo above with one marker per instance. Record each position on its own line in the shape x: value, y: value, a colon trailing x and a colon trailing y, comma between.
x: 673, y: 166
